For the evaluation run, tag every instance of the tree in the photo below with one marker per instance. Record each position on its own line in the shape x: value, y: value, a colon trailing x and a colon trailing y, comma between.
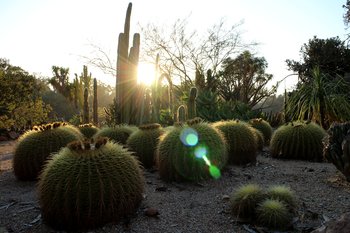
x: 330, y: 55
x: 347, y: 13
x: 244, y: 79
x: 60, y: 82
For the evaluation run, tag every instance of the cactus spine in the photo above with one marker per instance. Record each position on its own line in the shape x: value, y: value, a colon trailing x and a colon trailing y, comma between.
x: 191, y: 105
x: 95, y: 114
x: 86, y: 106
x: 181, y: 114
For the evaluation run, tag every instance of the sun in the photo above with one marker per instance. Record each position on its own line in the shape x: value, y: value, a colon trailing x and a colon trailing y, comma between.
x: 145, y: 74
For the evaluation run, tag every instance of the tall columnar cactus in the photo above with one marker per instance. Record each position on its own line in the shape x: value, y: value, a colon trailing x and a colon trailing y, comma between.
x: 298, y: 140
x: 95, y: 113
x: 126, y: 81
x: 87, y: 185
x: 35, y: 147
x: 156, y: 93
x: 146, y: 108
x: 181, y: 114
x: 86, y: 117
x: 191, y: 105
x: 337, y: 147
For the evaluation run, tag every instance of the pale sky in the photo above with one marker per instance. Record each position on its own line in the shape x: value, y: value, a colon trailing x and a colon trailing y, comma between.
x: 37, y: 34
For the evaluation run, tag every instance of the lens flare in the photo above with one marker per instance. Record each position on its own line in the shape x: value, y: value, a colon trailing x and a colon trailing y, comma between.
x: 200, y: 152
x: 189, y: 137
x: 214, y: 171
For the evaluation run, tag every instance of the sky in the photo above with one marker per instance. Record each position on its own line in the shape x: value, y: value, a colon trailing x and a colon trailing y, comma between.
x: 37, y: 34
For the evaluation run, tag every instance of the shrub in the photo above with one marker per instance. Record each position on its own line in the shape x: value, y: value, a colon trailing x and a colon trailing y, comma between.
x: 241, y: 141
x: 35, y: 146
x: 88, y: 130
x: 144, y: 142
x: 87, y: 185
x: 273, y: 214
x: 298, y: 140
x: 264, y: 127
x: 119, y: 134
x: 194, y: 151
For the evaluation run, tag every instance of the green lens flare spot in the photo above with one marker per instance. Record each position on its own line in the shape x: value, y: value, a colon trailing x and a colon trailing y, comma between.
x: 200, y: 152
x: 214, y: 172
x: 189, y: 137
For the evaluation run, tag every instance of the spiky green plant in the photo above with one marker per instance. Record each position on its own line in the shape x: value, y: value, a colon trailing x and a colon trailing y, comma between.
x: 263, y: 126
x: 35, y: 147
x: 241, y: 141
x: 298, y: 140
x: 245, y: 200
x: 144, y: 142
x: 88, y: 130
x: 282, y: 193
x: 192, y: 151
x: 87, y: 185
x: 273, y: 214
x: 119, y: 133
x: 259, y: 137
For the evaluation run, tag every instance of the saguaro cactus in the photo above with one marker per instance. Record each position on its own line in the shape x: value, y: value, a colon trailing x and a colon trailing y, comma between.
x: 86, y: 106
x: 191, y: 105
x: 95, y: 115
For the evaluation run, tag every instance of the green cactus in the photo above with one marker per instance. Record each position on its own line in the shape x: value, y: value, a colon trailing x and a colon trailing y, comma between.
x: 144, y: 142
x: 264, y: 127
x: 88, y: 130
x: 194, y: 151
x: 86, y: 117
x: 119, y: 133
x: 282, y: 193
x: 337, y: 147
x: 274, y: 214
x: 181, y: 114
x: 245, y: 200
x: 259, y: 137
x: 95, y: 105
x: 35, y: 147
x: 191, y: 104
x: 241, y: 141
x: 87, y: 185
x: 298, y: 140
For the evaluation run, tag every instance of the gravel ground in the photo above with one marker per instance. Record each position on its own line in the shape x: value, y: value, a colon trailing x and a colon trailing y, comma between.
x: 321, y: 192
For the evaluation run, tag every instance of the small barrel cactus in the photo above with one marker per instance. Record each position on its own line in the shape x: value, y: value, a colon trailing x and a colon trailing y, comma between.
x: 282, y: 193
x: 273, y: 214
x: 35, y: 147
x: 241, y: 140
x: 88, y: 130
x: 144, y: 143
x: 298, y: 140
x: 87, y: 185
x: 259, y: 137
x: 264, y: 127
x: 245, y: 200
x: 193, y: 151
x: 119, y: 134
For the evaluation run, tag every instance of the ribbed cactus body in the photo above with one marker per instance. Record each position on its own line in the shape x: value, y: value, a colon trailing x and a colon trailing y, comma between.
x: 144, y: 142
x: 264, y: 127
x: 85, y: 188
x: 35, y: 147
x: 88, y: 130
x: 241, y: 141
x: 119, y: 134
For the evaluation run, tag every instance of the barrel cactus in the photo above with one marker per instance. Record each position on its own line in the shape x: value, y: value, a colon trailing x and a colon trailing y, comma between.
x: 259, y: 137
x: 119, y: 134
x: 241, y: 140
x: 273, y: 214
x: 298, y: 140
x: 144, y: 142
x: 193, y: 151
x: 88, y: 130
x: 35, y: 147
x: 88, y: 184
x: 264, y: 127
x: 284, y: 194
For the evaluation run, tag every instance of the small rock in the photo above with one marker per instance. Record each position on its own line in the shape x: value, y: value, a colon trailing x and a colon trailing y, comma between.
x: 13, y: 135
x: 151, y: 212
x: 248, y: 176
x: 342, y: 225
x: 161, y: 189
x: 225, y: 197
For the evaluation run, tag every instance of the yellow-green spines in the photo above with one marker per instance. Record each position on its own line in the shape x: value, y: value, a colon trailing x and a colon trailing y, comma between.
x: 245, y: 200
x: 119, y: 134
x: 259, y: 137
x: 282, y: 193
x: 35, y: 146
x: 88, y: 130
x: 81, y: 189
x: 144, y: 143
x: 241, y: 140
x: 273, y: 214
x: 263, y: 126
x: 191, y: 153
x: 298, y: 140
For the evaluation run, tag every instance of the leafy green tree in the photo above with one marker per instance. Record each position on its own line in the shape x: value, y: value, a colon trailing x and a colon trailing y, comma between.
x: 244, y: 79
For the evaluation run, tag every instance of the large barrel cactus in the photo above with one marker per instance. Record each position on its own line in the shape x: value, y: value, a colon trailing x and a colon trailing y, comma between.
x: 264, y: 127
x: 87, y: 185
x: 119, y: 134
x: 88, y: 130
x: 337, y: 147
x: 144, y: 143
x: 193, y: 151
x: 298, y: 140
x: 241, y: 139
x: 35, y: 147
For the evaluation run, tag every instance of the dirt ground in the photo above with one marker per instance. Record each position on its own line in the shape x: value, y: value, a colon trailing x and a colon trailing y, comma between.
x: 321, y: 191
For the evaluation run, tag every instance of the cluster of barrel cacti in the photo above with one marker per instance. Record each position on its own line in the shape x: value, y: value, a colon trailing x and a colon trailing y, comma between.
x: 273, y: 208
x: 88, y: 130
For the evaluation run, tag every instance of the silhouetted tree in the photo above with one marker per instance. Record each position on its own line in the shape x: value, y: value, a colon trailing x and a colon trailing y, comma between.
x: 60, y: 82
